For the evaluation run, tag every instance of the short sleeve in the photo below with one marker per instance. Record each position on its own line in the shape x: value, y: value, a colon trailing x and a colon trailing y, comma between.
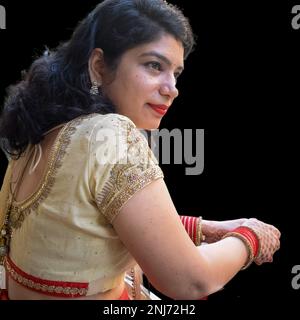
x: 120, y: 163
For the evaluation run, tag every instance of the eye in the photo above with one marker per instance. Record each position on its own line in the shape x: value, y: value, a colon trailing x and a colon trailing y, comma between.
x: 176, y: 75
x: 154, y: 65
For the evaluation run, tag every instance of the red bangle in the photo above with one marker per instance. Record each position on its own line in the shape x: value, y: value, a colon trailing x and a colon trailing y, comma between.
x: 193, y: 227
x: 251, y: 236
x: 190, y: 224
x: 250, y: 239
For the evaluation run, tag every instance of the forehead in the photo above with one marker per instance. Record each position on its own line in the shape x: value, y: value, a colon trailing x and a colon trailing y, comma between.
x: 166, y: 46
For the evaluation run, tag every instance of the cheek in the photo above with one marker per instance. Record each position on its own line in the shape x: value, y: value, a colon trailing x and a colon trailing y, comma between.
x: 132, y: 87
x: 136, y: 88
x: 130, y: 84
x: 143, y: 85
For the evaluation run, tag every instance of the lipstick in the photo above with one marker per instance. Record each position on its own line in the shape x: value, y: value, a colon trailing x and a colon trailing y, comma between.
x: 161, y: 109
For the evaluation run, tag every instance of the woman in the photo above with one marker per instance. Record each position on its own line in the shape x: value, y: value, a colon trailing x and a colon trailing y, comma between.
x: 83, y: 200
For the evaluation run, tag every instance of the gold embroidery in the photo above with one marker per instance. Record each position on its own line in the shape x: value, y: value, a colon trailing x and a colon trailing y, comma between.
x: 67, y: 291
x: 126, y: 179
x: 20, y: 211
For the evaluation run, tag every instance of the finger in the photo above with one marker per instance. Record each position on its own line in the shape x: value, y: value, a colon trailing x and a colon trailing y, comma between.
x: 278, y: 233
x: 258, y: 262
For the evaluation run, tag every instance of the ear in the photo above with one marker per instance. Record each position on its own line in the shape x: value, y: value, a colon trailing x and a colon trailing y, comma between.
x: 96, y: 65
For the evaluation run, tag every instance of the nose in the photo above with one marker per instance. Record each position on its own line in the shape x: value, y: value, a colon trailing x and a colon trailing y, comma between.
x: 168, y: 88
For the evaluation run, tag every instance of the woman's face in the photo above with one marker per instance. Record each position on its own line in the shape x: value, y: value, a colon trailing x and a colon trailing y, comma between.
x: 144, y: 84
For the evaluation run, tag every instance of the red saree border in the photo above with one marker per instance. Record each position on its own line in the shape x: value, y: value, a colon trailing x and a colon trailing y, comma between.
x: 48, y: 287
x: 124, y: 295
x: 3, y: 294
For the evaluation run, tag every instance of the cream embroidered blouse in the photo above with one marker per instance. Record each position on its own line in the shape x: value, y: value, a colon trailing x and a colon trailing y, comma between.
x: 64, y: 231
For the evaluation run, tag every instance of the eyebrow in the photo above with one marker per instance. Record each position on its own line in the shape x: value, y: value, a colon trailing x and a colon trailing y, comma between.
x: 161, y: 57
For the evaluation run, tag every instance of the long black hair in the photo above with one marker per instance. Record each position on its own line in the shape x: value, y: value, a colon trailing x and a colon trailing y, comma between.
x: 56, y: 88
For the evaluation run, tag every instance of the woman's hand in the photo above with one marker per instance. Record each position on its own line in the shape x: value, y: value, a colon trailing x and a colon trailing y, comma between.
x: 215, y: 230
x: 268, y: 237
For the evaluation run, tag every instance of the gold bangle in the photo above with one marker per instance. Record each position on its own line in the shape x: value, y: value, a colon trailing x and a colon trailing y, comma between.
x: 199, y: 236
x: 247, y: 244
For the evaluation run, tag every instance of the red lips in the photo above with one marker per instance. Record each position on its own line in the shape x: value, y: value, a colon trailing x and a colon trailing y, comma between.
x: 159, y: 108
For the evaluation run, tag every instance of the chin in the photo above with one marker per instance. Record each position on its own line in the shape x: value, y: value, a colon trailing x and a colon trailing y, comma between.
x: 149, y: 126
x: 152, y: 126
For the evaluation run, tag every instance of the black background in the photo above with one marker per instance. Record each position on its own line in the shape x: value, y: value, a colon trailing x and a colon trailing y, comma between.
x: 240, y: 85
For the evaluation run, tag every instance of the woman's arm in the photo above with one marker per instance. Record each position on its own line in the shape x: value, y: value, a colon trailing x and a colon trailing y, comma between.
x: 208, y: 231
x: 150, y: 227
x: 216, y: 230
